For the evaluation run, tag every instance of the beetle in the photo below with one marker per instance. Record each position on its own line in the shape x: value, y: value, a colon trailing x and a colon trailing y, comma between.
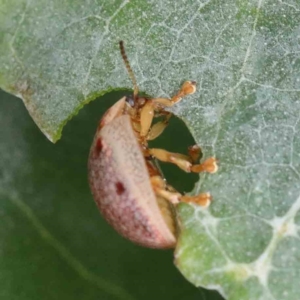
x: 126, y: 183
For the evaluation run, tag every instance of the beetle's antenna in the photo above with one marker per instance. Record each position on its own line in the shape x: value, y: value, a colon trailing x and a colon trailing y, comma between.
x: 129, y: 70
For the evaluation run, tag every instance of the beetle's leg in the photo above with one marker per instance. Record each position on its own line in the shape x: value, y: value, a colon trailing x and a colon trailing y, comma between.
x: 160, y: 189
x: 146, y: 118
x: 188, y: 88
x: 195, y: 153
x: 147, y: 111
x: 184, y: 162
x: 158, y: 128
x: 209, y: 165
x: 147, y: 115
x: 203, y: 199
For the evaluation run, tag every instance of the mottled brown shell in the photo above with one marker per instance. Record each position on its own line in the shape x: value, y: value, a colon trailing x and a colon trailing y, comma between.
x: 121, y: 186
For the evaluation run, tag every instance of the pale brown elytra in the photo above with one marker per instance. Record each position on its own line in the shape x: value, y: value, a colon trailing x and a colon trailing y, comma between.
x: 125, y: 181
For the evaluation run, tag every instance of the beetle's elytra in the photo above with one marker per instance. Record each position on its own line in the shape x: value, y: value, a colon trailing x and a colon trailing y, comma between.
x: 128, y: 188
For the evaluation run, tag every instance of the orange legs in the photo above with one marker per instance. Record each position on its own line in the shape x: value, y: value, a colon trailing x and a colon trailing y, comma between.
x: 188, y: 163
x: 202, y: 199
x: 184, y: 162
x: 161, y: 189
x: 188, y: 88
x: 158, y: 128
x: 147, y: 111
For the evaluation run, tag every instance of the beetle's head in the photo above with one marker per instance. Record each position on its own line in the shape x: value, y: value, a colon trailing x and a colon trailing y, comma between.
x: 135, y: 103
x: 129, y: 101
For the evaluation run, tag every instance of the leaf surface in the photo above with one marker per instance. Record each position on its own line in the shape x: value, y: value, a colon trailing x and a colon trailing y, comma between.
x: 244, y: 56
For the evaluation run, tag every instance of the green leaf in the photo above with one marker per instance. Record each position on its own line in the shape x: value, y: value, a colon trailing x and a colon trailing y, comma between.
x: 244, y: 55
x: 247, y: 244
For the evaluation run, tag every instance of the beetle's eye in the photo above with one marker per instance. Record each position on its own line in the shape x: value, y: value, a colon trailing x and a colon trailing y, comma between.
x: 130, y: 101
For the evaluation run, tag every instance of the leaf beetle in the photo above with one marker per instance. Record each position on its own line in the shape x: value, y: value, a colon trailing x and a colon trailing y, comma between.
x: 126, y: 183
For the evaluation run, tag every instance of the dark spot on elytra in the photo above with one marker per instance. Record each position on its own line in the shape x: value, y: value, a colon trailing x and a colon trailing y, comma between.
x: 99, y: 146
x: 120, y: 188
